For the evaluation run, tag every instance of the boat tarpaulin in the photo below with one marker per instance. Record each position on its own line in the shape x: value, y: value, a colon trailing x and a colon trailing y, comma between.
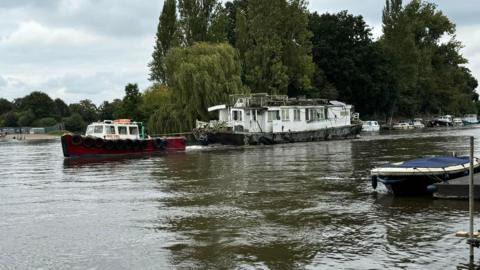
x: 431, y: 162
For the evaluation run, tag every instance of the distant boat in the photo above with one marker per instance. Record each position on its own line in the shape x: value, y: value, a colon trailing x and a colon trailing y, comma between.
x: 470, y: 119
x: 441, y: 121
x: 457, y: 122
x: 418, y: 123
x: 273, y: 119
x: 370, y: 126
x: 412, y: 177
x: 402, y: 126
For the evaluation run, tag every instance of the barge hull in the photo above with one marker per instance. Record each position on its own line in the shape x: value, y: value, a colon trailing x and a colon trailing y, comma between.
x: 246, y: 138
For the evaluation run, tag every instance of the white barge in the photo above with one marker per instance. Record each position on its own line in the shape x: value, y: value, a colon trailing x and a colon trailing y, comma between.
x: 268, y: 119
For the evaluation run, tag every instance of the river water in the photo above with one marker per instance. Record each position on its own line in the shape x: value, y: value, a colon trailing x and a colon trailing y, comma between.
x: 293, y: 206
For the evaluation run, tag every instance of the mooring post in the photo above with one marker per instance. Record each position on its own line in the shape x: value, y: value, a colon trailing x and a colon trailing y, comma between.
x: 470, y: 199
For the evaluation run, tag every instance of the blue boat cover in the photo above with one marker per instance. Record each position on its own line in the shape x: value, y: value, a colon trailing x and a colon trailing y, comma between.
x: 431, y: 162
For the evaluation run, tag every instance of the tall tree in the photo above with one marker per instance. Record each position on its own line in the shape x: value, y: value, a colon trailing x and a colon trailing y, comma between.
x: 274, y: 42
x: 427, y: 69
x: 347, y: 57
x: 202, y: 20
x: 131, y: 102
x: 167, y: 36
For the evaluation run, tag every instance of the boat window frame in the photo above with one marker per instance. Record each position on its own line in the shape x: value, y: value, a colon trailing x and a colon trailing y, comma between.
x: 272, y: 113
x: 110, y: 129
x: 296, y: 115
x: 130, y: 130
x: 285, y: 115
x: 98, y: 129
x: 118, y: 130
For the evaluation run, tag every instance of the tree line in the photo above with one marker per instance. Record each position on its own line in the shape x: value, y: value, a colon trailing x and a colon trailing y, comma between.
x: 37, y: 109
x: 280, y: 47
x: 206, y: 50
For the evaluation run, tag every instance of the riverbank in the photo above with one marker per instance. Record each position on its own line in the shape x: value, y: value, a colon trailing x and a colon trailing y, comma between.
x: 30, y: 137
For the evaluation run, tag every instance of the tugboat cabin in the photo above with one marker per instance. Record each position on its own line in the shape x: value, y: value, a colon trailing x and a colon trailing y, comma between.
x: 116, y: 129
x: 277, y: 114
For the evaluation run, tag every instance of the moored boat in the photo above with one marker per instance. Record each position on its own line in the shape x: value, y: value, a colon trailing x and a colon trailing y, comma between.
x: 117, y: 138
x: 418, y: 123
x: 271, y: 119
x: 413, y: 177
x: 370, y: 126
x: 402, y: 126
x: 441, y: 121
x: 470, y: 119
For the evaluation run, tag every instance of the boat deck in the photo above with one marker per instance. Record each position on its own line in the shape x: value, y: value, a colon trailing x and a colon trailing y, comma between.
x: 458, y: 188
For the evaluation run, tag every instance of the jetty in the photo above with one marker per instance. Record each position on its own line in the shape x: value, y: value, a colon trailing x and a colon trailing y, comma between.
x: 457, y: 188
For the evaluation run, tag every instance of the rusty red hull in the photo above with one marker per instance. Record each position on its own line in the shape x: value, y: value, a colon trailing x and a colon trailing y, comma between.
x: 81, y: 146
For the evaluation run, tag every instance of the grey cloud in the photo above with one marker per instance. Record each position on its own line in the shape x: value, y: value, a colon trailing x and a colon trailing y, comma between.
x: 115, y: 18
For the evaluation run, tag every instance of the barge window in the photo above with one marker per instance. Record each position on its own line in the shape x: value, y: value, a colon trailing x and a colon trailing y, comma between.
x: 254, y: 115
x: 89, y: 130
x: 320, y: 114
x: 285, y: 115
x: 237, y: 116
x: 110, y: 129
x: 273, y: 115
x: 98, y: 129
x: 133, y: 130
x: 122, y: 130
x: 296, y: 115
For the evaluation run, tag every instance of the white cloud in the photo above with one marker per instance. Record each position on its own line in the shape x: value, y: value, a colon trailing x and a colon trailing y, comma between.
x: 469, y: 35
x: 33, y: 33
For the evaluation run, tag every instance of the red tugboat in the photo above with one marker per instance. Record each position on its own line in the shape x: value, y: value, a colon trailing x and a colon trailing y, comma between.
x: 117, y: 138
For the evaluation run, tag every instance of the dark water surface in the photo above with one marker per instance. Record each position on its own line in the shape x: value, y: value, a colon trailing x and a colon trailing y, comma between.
x: 295, y: 206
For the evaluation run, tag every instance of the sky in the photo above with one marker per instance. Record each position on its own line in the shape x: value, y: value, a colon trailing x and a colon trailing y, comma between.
x: 90, y: 49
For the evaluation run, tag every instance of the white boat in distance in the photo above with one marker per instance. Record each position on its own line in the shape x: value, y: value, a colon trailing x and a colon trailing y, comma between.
x: 418, y: 123
x: 402, y: 126
x: 370, y: 126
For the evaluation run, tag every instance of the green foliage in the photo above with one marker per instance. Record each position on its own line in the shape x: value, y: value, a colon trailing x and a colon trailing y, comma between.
x: 86, y: 109
x: 45, y: 122
x: 274, y: 44
x: 131, y: 102
x: 428, y: 73
x: 202, y: 20
x: 5, y: 106
x: 168, y: 36
x: 61, y: 109
x: 153, y: 98
x: 198, y: 77
x: 74, y: 123
x: 39, y: 103
x: 26, y: 118
x: 351, y: 66
x: 110, y: 110
x: 10, y: 119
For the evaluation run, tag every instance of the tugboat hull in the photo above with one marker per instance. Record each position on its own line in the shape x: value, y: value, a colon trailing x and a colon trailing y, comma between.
x: 76, y: 146
x: 247, y: 138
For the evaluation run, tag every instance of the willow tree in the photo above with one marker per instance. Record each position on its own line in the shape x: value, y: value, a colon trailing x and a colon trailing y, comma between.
x: 198, y: 77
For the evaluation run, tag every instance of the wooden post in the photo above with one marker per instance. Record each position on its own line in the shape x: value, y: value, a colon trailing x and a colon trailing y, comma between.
x: 471, y: 197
